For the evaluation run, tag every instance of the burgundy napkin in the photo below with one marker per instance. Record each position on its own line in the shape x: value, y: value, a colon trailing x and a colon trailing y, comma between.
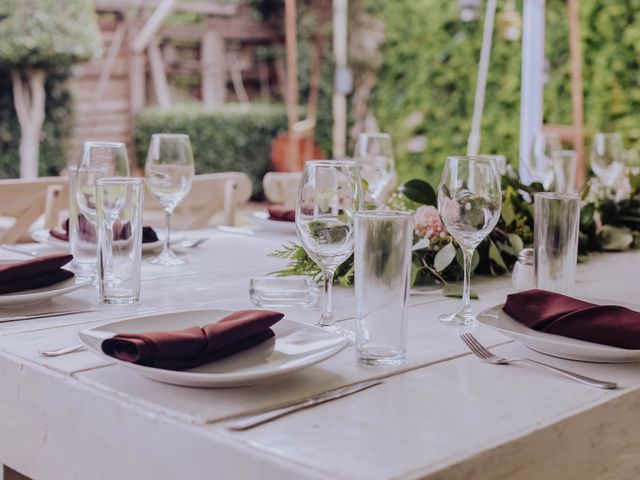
x: 194, y: 346
x: 34, y: 273
x: 281, y: 213
x: 120, y: 231
x: 561, y: 315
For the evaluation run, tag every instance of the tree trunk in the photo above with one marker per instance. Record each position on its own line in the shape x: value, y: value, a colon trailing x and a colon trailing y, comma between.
x: 29, y: 99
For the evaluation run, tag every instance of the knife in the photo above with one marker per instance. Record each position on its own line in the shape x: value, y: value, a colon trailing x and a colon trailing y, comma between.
x: 250, y: 421
x: 31, y: 316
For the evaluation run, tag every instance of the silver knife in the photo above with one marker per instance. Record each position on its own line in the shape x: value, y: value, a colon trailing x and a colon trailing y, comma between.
x: 32, y: 316
x: 250, y: 421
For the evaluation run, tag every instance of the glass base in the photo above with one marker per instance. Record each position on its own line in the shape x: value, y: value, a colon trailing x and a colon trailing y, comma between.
x: 461, y: 317
x: 120, y: 300
x: 168, y: 259
x: 371, y: 358
x: 338, y: 330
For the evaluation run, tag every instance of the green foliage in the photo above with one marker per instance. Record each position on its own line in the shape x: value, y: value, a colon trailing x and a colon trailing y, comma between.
x: 430, y: 63
x: 231, y: 137
x: 47, y: 33
x: 55, y: 131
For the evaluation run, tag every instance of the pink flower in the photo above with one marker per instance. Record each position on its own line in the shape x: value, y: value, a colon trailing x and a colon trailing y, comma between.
x: 427, y: 222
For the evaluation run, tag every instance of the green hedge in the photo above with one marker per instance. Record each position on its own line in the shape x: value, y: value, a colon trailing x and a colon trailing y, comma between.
x: 55, y: 132
x: 230, y: 137
x: 430, y: 66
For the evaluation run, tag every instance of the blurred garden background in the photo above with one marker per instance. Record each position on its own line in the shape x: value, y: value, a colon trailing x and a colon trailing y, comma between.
x: 414, y: 65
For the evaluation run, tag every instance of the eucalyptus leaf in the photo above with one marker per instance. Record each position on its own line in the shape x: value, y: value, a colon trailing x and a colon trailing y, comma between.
x: 516, y: 242
x: 494, y: 254
x: 420, y: 244
x: 616, y: 239
x: 475, y: 260
x: 420, y: 192
x: 444, y: 257
x: 508, y: 212
x: 455, y: 290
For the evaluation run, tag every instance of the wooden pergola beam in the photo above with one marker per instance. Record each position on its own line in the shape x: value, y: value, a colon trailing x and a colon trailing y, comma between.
x: 152, y: 26
x: 576, y: 89
x: 204, y: 8
x: 158, y: 74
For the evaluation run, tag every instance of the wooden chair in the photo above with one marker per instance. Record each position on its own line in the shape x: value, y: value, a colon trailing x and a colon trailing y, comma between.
x: 282, y: 187
x: 210, y: 194
x: 24, y: 202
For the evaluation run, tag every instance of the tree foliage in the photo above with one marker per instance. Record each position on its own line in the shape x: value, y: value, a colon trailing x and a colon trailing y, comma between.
x: 47, y: 33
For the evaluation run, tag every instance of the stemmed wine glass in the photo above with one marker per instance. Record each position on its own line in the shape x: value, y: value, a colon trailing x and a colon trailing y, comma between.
x: 374, y: 155
x: 469, y: 203
x: 330, y: 195
x: 169, y: 172
x: 607, y: 160
x: 99, y: 160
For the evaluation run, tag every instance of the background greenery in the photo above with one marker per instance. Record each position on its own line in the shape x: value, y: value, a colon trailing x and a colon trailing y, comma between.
x: 233, y: 137
x: 430, y: 63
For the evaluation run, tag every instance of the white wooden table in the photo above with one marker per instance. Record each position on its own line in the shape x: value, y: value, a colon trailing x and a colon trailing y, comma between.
x: 445, y: 414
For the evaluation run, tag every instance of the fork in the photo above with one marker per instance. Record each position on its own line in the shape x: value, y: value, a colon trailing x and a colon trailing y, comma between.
x: 484, y: 354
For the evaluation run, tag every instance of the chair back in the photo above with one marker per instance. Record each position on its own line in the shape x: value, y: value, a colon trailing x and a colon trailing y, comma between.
x: 282, y: 187
x: 210, y: 194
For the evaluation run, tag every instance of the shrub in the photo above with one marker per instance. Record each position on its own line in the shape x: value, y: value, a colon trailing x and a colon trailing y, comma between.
x: 232, y: 137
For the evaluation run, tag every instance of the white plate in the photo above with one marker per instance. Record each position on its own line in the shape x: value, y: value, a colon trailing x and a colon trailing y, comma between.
x: 295, y: 346
x: 557, y: 345
x: 262, y: 219
x: 43, y: 236
x: 41, y: 295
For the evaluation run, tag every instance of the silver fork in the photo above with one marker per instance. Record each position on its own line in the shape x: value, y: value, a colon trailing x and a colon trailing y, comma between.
x: 481, y: 352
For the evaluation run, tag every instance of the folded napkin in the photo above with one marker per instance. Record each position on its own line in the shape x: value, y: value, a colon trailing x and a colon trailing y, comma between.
x: 281, y: 213
x: 561, y: 315
x: 194, y: 346
x: 88, y: 232
x: 34, y: 273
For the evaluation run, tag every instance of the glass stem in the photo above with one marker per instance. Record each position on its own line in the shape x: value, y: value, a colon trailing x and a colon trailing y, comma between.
x: 166, y: 248
x: 327, y: 313
x: 467, y: 255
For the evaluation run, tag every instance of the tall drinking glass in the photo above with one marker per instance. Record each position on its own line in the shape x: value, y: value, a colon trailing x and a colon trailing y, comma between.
x: 169, y: 172
x: 382, y: 278
x: 469, y: 202
x: 607, y: 157
x: 119, y: 209
x: 374, y: 155
x: 565, y: 164
x: 330, y: 195
x: 555, y: 238
x: 544, y: 145
x: 99, y: 160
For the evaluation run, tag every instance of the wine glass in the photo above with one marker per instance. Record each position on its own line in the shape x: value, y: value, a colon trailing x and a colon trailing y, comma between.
x: 469, y: 203
x: 99, y: 160
x: 374, y: 155
x: 544, y: 147
x: 169, y: 172
x: 329, y: 196
x: 607, y: 160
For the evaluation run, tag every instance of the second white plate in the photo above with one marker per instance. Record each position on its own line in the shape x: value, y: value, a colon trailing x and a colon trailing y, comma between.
x: 43, y: 236
x: 557, y: 345
x: 41, y: 295
x: 295, y: 346
x: 262, y: 219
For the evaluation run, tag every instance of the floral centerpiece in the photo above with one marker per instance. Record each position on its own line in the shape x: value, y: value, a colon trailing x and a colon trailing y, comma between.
x: 610, y: 220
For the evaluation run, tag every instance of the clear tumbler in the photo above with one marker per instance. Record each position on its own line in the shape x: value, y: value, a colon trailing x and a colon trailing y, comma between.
x: 556, y: 228
x: 382, y: 275
x: 119, y: 217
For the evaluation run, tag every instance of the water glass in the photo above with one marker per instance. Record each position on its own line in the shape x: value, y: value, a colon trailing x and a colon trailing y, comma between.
x: 565, y: 165
x: 382, y: 279
x: 119, y: 213
x: 607, y: 157
x: 556, y: 228
x: 283, y: 292
x: 374, y: 155
x: 83, y: 239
